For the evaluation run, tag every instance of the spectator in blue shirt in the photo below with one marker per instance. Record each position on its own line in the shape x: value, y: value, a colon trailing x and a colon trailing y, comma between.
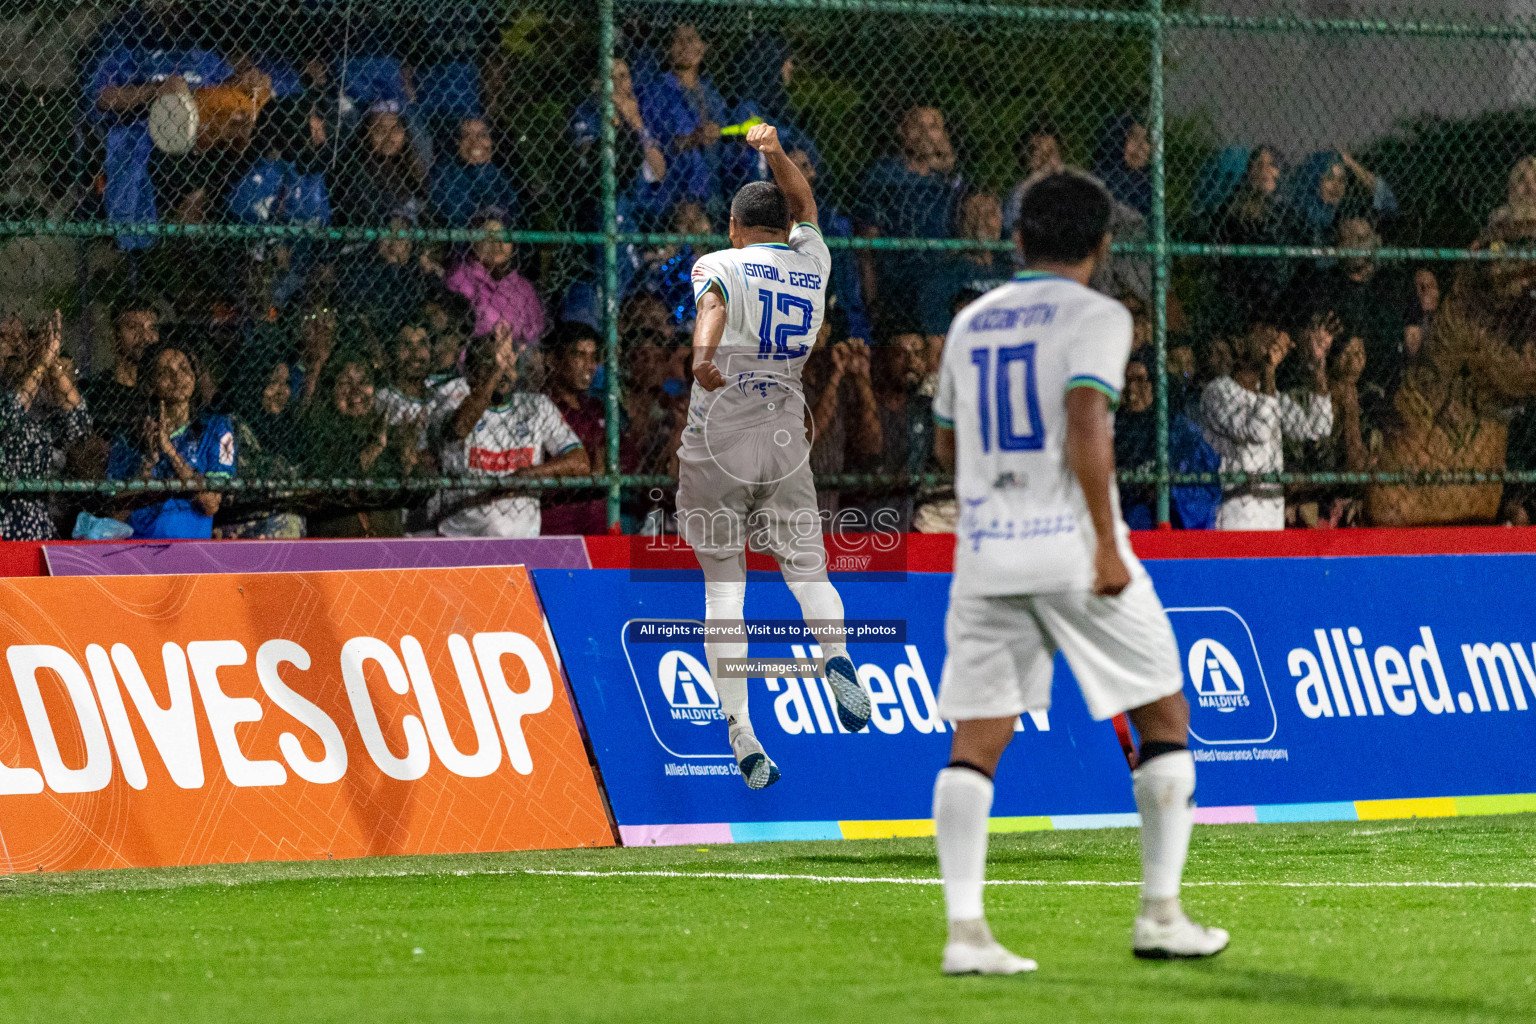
x: 469, y: 181
x: 1320, y: 197
x: 1122, y: 162
x: 684, y: 113
x: 844, y: 288
x: 762, y: 90
x: 141, y: 58
x: 177, y: 441
x: 384, y: 176
x: 446, y: 75
x: 976, y: 270
x: 910, y: 195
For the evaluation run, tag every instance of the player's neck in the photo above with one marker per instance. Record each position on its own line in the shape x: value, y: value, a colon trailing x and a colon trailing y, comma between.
x: 759, y: 236
x: 1079, y: 272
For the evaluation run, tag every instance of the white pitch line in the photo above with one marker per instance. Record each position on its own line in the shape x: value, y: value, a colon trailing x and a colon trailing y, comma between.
x: 744, y: 876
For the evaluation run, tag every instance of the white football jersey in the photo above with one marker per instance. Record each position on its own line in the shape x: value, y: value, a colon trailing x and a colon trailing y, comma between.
x: 775, y: 298
x: 1009, y: 360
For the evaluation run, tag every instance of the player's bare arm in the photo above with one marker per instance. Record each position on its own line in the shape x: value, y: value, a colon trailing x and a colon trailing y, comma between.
x: 797, y: 191
x: 708, y: 328
x: 1091, y: 456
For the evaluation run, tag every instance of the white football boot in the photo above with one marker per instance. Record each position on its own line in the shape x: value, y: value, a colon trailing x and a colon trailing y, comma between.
x: 1182, y: 939
x: 972, y: 950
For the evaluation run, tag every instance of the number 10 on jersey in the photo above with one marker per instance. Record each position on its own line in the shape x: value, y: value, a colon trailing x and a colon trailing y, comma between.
x: 774, y: 340
x: 1006, y: 396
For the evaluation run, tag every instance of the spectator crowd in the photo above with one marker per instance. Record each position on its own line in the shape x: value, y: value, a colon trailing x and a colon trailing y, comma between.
x: 382, y: 365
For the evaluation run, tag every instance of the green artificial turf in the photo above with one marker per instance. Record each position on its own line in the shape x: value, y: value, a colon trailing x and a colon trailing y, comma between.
x: 479, y: 939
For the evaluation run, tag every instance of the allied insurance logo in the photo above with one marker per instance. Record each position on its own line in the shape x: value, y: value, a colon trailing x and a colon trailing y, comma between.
x: 689, y: 691
x: 1230, y: 701
x: 678, y: 696
x: 1216, y: 676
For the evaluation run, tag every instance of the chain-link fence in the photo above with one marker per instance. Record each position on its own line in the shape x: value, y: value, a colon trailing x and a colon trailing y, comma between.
x: 364, y: 267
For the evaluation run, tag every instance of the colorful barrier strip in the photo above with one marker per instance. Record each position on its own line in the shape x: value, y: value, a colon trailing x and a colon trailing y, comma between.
x: 1345, y: 810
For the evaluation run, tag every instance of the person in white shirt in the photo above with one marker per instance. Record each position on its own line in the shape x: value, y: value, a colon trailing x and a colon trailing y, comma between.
x: 1043, y: 563
x: 1248, y: 422
x: 744, y: 462
x: 498, y: 431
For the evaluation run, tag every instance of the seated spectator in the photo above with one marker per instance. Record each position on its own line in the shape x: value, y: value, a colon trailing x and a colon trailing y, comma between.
x: 41, y: 416
x: 387, y: 282
x: 346, y: 438
x: 406, y: 400
x: 1039, y: 153
x: 1122, y: 160
x: 572, y: 355
x: 154, y: 52
x: 845, y: 420
x: 684, y: 113
x: 268, y: 436
x: 498, y: 293
x: 383, y: 176
x: 976, y: 270
x: 656, y: 386
x: 844, y: 287
x: 317, y: 330
x: 1251, y: 289
x: 500, y: 432
x: 1357, y: 301
x: 640, y: 167
x: 468, y: 181
x: 1321, y: 197
x: 762, y: 91
x: 446, y: 75
x: 1345, y: 449
x: 286, y: 184
x: 911, y: 195
x: 665, y: 271
x: 1453, y: 411
x: 111, y: 392
x: 178, y: 441
x: 1246, y: 420
x: 1191, y: 506
x: 899, y: 366
x: 448, y: 317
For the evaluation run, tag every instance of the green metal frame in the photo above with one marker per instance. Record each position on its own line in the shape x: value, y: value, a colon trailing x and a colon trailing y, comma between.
x: 1150, y: 19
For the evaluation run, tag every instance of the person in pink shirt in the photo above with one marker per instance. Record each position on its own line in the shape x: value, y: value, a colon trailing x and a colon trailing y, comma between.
x: 493, y: 286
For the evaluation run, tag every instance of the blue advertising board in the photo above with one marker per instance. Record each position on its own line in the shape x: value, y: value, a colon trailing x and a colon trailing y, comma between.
x: 1319, y: 688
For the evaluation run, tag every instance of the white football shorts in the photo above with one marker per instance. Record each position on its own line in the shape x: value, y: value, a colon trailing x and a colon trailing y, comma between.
x: 1121, y: 649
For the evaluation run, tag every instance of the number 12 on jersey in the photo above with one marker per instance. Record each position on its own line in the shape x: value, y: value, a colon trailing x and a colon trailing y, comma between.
x: 998, y: 399
x: 774, y: 341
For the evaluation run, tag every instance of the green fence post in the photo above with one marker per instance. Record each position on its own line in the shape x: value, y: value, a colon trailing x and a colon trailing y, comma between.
x: 1159, y: 253
x: 610, y: 260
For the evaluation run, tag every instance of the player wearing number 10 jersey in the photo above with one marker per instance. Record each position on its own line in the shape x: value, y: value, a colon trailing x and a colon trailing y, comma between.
x: 744, y: 463
x: 1030, y: 374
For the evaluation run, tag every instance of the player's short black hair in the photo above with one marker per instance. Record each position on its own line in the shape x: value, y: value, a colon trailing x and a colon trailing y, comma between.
x: 760, y: 204
x: 1063, y: 218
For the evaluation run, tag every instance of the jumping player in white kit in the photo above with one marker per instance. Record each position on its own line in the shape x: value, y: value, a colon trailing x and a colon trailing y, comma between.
x: 744, y: 463
x: 1030, y: 375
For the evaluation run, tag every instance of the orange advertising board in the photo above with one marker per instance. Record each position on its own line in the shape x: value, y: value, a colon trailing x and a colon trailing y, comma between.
x: 160, y: 720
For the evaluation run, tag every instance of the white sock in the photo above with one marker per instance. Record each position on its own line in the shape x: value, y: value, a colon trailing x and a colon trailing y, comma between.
x: 819, y: 601
x: 725, y: 602
x: 1164, y: 787
x: 962, y: 802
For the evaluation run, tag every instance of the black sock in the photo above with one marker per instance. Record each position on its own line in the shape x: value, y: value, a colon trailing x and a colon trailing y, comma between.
x: 973, y: 767
x: 1156, y: 748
